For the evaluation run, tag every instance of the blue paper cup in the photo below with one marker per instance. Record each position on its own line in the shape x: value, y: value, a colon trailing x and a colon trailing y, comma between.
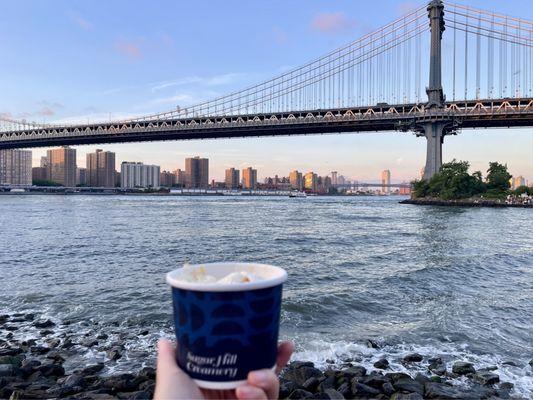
x: 225, y: 331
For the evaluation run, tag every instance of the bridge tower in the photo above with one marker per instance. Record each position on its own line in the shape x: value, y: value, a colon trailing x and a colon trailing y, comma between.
x: 434, y: 130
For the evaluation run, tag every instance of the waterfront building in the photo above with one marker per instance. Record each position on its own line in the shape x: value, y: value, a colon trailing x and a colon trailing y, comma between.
x: 311, y: 182
x: 517, y: 181
x: 15, y: 167
x: 117, y: 179
x: 81, y: 177
x: 39, y: 174
x: 341, y: 180
x: 296, y: 180
x: 101, y: 169
x: 405, y: 190
x: 180, y: 177
x: 168, y: 179
x: 232, y: 178
x: 138, y: 175
x: 249, y: 178
x: 385, y: 181
x: 196, y: 172
x: 62, y: 166
x: 334, y: 178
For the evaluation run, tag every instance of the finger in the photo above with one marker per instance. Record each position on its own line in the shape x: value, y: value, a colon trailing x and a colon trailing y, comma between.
x: 285, y: 350
x: 166, y: 357
x: 248, y: 392
x: 265, y: 379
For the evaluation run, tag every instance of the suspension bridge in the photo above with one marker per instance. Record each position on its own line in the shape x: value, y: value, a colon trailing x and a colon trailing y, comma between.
x: 481, y: 60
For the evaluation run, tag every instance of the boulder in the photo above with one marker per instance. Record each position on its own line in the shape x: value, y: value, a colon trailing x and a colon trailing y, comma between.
x: 362, y: 390
x: 301, y: 374
x: 43, y: 324
x: 93, y: 369
x: 300, y: 394
x: 406, y: 396
x: 486, y: 378
x: 442, y: 391
x: 388, y: 389
x: 330, y: 394
x: 382, y: 363
x: 311, y: 384
x: 7, y: 370
x: 463, y: 368
x: 374, y: 380
x: 437, y: 366
x: 286, y: 387
x: 120, y: 383
x: 52, y: 370
x: 409, y: 385
x: 40, y: 350
x: 328, y: 383
x: 346, y: 390
x: 371, y: 344
x: 12, y: 360
x: 53, y: 342
x: 395, y: 376
x: 352, y: 372
x: 299, y: 364
x: 114, y: 353
x: 413, y: 357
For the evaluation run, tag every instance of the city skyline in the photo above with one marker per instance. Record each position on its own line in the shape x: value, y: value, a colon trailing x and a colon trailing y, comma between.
x: 125, y: 82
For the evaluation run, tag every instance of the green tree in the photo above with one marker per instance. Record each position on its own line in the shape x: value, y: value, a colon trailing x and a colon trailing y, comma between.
x: 523, y: 189
x: 41, y: 182
x: 420, y: 188
x: 498, y: 178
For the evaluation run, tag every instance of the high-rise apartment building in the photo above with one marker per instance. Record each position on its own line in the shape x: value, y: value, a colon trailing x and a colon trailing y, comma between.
x: 181, y: 178
x: 196, y: 172
x: 311, y: 182
x: 517, y: 181
x: 81, y: 176
x: 168, y: 179
x: 62, y: 166
x: 232, y: 178
x: 334, y: 178
x: 385, y: 181
x: 101, y: 169
x: 296, y: 180
x: 39, y: 174
x: 138, y: 175
x: 249, y: 178
x: 15, y: 167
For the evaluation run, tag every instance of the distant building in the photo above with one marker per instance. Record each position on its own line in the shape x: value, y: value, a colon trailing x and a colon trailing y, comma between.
x: 518, y: 181
x: 296, y: 180
x: 39, y: 174
x: 168, y: 179
x: 232, y: 178
x: 62, y: 166
x: 341, y: 180
x: 249, y: 178
x: 117, y: 179
x: 181, y: 179
x: 385, y: 181
x: 334, y: 178
x: 311, y: 182
x: 101, y: 169
x: 15, y: 167
x: 138, y: 175
x: 196, y: 172
x: 81, y: 176
x: 405, y: 190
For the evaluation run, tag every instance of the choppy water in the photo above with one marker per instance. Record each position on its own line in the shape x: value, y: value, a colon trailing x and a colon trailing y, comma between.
x: 441, y: 281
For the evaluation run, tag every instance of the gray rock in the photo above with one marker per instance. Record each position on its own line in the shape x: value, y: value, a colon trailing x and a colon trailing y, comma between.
x: 463, y: 368
x: 511, y: 363
x: 299, y: 364
x: 381, y: 364
x: 39, y: 350
x: 44, y: 324
x: 120, y: 383
x: 300, y: 394
x: 53, y: 342
x: 362, y: 390
x: 355, y: 371
x: 331, y: 394
x: 395, y: 376
x: 414, y: 357
x: 286, y: 387
x: 301, y: 374
x: 371, y: 344
x: 114, y: 353
x: 311, y: 384
x: 74, y: 380
x: 409, y: 385
x: 328, y: 383
x: 506, y: 385
x: 388, y: 389
x: 437, y: 366
x: 486, y: 378
x: 52, y: 370
x: 12, y: 360
x: 345, y: 390
x: 442, y: 391
x: 89, y: 342
x: 406, y: 396
x: 531, y: 362
x: 374, y: 380
x: 7, y: 370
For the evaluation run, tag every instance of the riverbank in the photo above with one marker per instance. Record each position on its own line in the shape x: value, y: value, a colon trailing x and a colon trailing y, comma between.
x: 464, y: 203
x: 35, y: 354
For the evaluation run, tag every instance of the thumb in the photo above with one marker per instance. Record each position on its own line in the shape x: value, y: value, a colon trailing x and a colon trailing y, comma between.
x: 166, y: 358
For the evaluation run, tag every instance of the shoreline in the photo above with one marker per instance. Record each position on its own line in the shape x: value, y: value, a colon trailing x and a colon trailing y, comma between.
x: 36, y: 365
x: 463, y: 203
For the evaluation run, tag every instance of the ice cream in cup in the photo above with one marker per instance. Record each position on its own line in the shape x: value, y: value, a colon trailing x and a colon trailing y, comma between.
x: 226, y: 317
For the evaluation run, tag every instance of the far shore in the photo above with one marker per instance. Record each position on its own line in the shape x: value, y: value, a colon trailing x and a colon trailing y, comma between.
x: 464, y: 203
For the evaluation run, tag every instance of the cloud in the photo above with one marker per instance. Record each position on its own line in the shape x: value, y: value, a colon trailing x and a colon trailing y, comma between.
x: 81, y: 22
x: 129, y: 48
x: 46, y: 112
x: 216, y: 80
x: 6, y: 115
x: 331, y: 23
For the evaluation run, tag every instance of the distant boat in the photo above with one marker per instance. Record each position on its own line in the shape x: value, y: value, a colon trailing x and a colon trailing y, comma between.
x: 297, y: 194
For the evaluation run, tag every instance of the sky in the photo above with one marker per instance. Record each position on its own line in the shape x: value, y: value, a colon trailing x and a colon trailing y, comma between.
x: 85, y: 60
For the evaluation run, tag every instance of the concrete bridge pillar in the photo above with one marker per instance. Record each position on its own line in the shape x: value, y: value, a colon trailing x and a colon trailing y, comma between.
x: 434, y: 133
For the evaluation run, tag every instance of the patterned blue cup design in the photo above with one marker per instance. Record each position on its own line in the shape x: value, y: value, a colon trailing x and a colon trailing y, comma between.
x: 223, y: 335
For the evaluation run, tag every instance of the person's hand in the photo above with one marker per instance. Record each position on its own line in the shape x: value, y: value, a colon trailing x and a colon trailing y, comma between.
x: 173, y: 383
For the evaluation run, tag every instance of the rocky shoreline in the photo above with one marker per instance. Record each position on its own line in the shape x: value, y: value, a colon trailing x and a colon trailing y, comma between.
x: 35, y: 368
x: 463, y: 203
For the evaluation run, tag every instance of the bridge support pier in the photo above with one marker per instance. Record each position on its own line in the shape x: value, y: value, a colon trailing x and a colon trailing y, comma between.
x: 434, y: 133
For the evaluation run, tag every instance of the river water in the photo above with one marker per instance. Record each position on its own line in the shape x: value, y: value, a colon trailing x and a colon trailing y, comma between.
x: 449, y: 282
